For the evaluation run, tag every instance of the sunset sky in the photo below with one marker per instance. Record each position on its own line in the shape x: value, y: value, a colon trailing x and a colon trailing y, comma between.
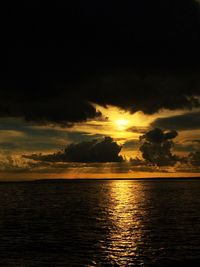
x: 101, y: 90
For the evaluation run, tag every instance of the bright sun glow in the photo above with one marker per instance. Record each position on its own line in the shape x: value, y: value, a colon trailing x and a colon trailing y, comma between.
x: 122, y: 124
x: 119, y: 124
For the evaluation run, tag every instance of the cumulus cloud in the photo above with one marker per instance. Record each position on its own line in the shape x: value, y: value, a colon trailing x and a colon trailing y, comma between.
x: 85, y: 152
x: 156, y: 147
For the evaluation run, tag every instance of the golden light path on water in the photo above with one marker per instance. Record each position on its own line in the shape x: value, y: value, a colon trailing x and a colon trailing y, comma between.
x: 127, y: 218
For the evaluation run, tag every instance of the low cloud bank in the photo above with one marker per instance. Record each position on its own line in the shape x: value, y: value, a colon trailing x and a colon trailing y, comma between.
x: 85, y: 152
x: 157, y: 153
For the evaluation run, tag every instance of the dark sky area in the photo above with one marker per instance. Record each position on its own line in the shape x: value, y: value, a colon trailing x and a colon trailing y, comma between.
x: 58, y: 58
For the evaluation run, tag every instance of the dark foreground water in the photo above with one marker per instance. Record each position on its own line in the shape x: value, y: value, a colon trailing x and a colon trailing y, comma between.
x: 100, y: 223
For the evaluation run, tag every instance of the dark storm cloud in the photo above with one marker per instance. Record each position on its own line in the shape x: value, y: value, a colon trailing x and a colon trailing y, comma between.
x: 129, y: 90
x: 188, y: 121
x: 156, y: 147
x: 85, y: 152
x: 149, y: 92
x: 59, y: 61
x: 46, y: 107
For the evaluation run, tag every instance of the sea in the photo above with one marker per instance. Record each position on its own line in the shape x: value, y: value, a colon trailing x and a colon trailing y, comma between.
x: 141, y: 222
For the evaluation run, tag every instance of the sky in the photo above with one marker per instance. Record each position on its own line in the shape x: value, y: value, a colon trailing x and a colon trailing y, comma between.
x: 100, y: 90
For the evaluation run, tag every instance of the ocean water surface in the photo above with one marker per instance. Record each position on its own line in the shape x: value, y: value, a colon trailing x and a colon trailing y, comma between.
x: 100, y: 223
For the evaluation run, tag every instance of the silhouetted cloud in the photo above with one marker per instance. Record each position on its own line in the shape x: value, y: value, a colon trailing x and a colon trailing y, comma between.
x: 156, y: 147
x: 85, y: 152
x: 138, y: 55
x: 44, y: 107
x: 188, y: 121
x: 129, y: 90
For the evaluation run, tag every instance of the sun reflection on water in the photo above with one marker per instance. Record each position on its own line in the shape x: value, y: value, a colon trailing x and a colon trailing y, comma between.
x: 127, y: 218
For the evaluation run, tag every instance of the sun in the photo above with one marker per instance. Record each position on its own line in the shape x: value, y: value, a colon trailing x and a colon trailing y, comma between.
x: 121, y: 124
